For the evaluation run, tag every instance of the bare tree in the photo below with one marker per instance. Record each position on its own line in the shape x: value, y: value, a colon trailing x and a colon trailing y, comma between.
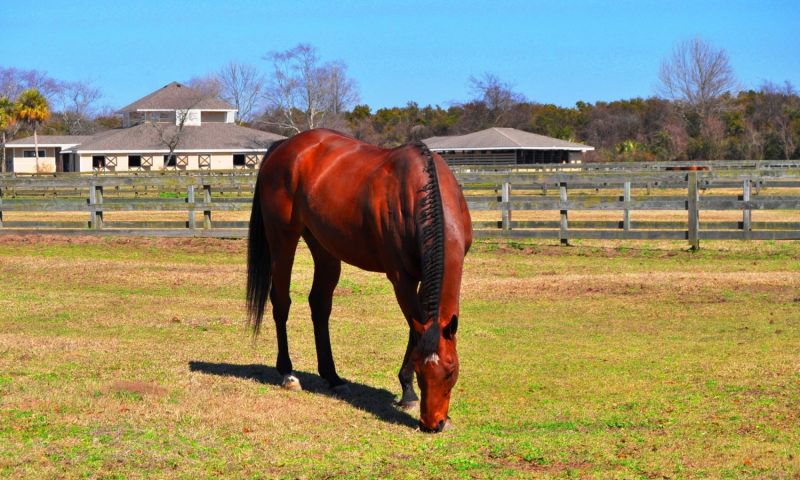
x: 696, y: 76
x: 242, y: 86
x: 209, y: 86
x: 170, y: 135
x: 77, y: 101
x: 302, y: 94
x: 342, y: 90
x: 497, y: 96
x: 14, y: 81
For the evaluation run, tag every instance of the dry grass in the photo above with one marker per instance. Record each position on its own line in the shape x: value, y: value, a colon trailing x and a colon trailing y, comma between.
x: 128, y: 358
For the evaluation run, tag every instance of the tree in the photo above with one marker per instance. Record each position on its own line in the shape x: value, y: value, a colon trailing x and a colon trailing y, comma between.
x: 14, y: 81
x: 77, y: 106
x: 498, y: 96
x: 242, y: 86
x: 7, y: 119
x: 303, y: 94
x: 697, y: 75
x: 779, y: 108
x: 33, y: 109
x: 209, y: 85
x: 170, y: 135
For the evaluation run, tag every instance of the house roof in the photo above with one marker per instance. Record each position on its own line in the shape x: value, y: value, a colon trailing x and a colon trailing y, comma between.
x: 502, y: 139
x: 49, y: 141
x: 152, y: 138
x: 176, y: 96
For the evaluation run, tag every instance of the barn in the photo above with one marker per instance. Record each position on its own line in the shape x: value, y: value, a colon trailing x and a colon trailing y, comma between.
x: 505, y: 146
x: 174, y: 128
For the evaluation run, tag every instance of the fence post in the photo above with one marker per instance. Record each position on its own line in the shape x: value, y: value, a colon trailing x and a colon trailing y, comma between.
x: 190, y: 205
x: 746, y: 218
x: 692, y: 204
x: 626, y: 213
x: 96, y: 204
x: 506, y: 199
x: 207, y: 207
x: 563, y: 234
x: 1, y: 207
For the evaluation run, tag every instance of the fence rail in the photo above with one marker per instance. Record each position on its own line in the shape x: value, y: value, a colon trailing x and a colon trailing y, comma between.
x: 496, y: 198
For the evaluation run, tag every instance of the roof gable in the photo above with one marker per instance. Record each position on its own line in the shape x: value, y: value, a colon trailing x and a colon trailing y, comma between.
x: 176, y: 96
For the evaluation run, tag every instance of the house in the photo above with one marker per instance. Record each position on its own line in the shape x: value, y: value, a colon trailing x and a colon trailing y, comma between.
x: 505, y: 146
x: 173, y: 128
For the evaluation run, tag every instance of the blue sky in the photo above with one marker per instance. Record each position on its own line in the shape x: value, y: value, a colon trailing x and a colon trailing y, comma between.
x: 550, y: 51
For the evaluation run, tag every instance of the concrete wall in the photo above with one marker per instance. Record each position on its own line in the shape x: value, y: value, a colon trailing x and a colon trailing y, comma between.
x: 22, y: 164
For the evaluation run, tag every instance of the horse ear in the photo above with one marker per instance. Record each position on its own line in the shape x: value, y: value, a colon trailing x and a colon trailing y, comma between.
x: 418, y: 327
x: 450, y: 330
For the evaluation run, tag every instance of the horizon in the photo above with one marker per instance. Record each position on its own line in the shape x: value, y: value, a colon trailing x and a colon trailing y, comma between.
x: 416, y: 52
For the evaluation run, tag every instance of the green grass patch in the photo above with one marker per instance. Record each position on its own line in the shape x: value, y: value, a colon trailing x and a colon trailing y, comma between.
x: 128, y: 358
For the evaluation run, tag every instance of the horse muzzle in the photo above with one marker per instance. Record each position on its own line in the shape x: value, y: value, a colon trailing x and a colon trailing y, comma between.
x: 443, y: 425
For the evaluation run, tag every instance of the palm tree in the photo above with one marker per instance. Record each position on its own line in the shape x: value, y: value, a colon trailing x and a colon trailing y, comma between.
x: 33, y: 109
x: 7, y: 119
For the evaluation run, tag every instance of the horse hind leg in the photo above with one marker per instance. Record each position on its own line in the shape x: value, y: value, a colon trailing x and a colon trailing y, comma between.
x: 283, y: 250
x: 327, y: 269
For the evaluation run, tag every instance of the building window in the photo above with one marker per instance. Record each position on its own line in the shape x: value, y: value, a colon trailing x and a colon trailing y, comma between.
x: 239, y: 160
x: 29, y: 153
x: 169, y: 160
x: 204, y: 161
x: 134, y: 161
x: 98, y: 162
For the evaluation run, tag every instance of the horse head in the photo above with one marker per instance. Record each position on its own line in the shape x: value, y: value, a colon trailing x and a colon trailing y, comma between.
x: 436, y: 365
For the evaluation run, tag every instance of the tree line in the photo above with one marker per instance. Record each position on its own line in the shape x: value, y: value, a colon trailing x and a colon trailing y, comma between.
x: 698, y: 112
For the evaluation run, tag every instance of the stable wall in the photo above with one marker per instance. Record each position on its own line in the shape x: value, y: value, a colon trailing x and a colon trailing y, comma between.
x: 184, y: 162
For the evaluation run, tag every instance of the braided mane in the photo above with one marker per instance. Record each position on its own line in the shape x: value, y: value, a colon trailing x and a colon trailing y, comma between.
x: 431, y: 240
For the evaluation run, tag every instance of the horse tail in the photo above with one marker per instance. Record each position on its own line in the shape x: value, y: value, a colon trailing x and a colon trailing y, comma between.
x: 431, y: 239
x: 259, y: 260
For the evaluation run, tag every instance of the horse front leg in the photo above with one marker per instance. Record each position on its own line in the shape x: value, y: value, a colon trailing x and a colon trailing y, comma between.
x: 409, y: 398
x: 405, y: 289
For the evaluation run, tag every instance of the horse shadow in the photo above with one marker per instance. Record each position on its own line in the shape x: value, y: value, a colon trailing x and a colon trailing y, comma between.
x: 377, y: 401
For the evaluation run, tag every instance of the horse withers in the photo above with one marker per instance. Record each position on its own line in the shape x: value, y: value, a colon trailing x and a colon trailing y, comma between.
x: 398, y: 211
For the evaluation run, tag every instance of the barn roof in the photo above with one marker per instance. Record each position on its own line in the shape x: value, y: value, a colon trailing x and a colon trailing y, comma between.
x: 148, y: 137
x: 497, y: 138
x: 176, y: 96
x: 49, y: 141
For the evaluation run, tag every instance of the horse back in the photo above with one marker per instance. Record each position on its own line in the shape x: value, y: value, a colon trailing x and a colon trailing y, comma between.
x: 359, y: 201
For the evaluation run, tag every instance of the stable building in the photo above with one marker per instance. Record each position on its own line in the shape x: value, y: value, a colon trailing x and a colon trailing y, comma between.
x: 173, y: 128
x: 505, y: 146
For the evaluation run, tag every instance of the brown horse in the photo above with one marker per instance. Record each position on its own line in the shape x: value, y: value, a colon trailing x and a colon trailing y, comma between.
x: 398, y: 211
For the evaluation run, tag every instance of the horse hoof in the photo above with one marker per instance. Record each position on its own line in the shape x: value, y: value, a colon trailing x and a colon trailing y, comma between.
x: 408, y: 405
x: 341, y: 390
x: 290, y: 382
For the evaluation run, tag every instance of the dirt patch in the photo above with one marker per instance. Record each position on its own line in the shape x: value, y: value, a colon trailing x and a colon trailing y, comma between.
x: 136, y: 387
x: 185, y: 245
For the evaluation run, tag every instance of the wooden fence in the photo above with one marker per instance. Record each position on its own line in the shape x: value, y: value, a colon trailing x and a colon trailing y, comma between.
x: 538, y: 202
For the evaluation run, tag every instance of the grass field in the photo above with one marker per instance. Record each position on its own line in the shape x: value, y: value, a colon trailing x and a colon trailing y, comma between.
x: 127, y: 358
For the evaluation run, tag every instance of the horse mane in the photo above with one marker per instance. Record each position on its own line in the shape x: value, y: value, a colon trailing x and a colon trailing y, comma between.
x: 431, y: 239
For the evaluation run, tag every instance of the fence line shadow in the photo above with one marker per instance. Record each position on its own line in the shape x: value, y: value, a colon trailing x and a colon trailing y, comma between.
x: 377, y: 401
